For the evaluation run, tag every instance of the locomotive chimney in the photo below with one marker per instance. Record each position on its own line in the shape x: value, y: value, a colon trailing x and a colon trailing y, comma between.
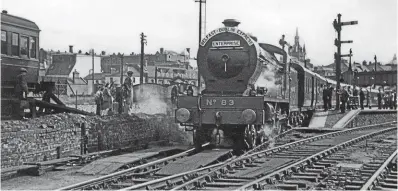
x: 70, y: 48
x: 231, y: 23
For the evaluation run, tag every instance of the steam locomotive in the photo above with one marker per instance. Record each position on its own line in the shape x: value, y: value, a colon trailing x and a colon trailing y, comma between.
x: 231, y: 62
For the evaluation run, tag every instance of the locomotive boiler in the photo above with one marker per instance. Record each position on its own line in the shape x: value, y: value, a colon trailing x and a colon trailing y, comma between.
x: 232, y: 62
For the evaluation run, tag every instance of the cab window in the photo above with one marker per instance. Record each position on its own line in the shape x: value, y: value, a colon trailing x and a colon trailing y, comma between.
x: 32, y: 47
x: 24, y: 46
x: 4, y: 48
x: 15, y: 44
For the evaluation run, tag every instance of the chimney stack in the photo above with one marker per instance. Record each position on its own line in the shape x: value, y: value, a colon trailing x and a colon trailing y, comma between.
x: 4, y: 12
x: 70, y: 48
x: 75, y: 75
x: 231, y: 23
x: 161, y: 50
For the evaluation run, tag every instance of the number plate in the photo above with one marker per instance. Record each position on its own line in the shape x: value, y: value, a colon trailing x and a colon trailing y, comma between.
x: 232, y: 102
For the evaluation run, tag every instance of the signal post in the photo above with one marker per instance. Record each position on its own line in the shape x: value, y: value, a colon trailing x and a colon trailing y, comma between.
x: 337, y: 24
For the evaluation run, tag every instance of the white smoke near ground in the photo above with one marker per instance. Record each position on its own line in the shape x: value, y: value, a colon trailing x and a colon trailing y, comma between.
x: 153, y: 99
x: 150, y: 100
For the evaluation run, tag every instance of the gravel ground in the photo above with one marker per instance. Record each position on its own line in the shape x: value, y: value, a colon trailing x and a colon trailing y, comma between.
x: 49, y: 181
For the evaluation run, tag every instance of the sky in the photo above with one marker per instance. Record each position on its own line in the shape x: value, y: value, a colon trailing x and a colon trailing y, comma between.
x: 115, y: 25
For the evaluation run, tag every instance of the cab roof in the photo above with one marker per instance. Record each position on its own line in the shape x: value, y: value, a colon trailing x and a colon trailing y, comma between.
x: 18, y: 21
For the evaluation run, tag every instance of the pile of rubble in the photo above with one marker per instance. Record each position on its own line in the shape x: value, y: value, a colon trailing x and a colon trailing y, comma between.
x: 166, y: 128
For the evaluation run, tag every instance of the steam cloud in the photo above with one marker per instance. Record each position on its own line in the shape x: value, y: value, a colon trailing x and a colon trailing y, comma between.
x: 150, y: 100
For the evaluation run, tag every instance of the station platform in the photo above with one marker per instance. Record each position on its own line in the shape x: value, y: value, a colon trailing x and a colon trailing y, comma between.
x: 334, y: 120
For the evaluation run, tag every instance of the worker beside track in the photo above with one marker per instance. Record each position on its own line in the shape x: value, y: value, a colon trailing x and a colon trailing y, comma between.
x: 99, y: 100
x: 128, y: 91
x: 21, y: 92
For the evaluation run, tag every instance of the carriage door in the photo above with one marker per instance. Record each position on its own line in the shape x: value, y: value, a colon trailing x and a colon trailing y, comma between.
x: 312, y: 91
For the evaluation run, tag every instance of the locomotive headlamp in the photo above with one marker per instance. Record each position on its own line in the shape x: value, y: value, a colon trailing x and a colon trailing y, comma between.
x: 249, y: 116
x: 183, y: 115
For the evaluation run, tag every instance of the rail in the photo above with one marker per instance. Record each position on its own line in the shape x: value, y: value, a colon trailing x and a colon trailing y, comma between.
x: 227, y: 165
x: 372, y: 180
x: 116, y: 175
x: 247, y: 158
x: 256, y: 184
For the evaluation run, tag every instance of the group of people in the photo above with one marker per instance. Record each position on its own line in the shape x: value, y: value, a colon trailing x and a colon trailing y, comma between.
x: 351, y: 99
x: 106, y: 95
x: 386, y: 100
x: 327, y: 94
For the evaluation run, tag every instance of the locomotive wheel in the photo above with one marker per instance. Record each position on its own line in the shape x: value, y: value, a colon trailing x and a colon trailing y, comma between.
x: 251, y: 136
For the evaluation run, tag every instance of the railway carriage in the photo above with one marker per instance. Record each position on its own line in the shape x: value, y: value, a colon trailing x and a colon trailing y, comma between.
x: 19, y: 49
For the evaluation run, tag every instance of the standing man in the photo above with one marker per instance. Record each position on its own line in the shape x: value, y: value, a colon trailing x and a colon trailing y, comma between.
x: 344, y: 98
x: 379, y: 98
x: 21, y: 92
x: 128, y: 91
x: 349, y: 98
x: 361, y: 98
x: 356, y: 101
x: 99, y: 100
x: 21, y: 87
x: 325, y: 97
x: 330, y: 95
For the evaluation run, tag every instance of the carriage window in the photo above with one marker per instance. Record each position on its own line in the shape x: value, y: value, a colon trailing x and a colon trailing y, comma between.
x: 3, y: 42
x: 15, y: 44
x: 32, y: 47
x: 24, y: 46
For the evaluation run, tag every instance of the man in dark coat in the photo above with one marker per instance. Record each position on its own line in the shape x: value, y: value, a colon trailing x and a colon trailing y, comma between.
x: 128, y: 91
x: 330, y: 96
x: 21, y: 87
x: 344, y: 98
x: 356, y: 101
x: 325, y: 96
x: 21, y: 92
x: 379, y: 98
x: 361, y: 98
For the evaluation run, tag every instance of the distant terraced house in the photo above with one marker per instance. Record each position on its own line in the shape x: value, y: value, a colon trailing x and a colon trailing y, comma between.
x: 66, y: 69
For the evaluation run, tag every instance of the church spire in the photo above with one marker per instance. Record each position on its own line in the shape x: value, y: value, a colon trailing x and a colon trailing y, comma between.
x: 296, y: 38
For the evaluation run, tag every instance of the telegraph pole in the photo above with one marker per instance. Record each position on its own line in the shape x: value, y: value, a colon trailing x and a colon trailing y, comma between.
x: 200, y: 33
x: 337, y: 24
x: 120, y: 109
x: 143, y: 42
x: 92, y: 53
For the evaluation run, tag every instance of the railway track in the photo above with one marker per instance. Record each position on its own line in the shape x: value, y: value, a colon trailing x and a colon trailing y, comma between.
x: 243, y: 172
x: 105, y: 182
x: 127, y: 177
x: 385, y: 177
